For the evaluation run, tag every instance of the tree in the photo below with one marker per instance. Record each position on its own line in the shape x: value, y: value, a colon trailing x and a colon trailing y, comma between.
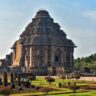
x: 49, y: 79
x: 93, y: 67
x: 85, y: 61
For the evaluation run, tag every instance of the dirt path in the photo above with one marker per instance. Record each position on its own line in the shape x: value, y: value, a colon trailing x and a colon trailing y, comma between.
x: 88, y: 78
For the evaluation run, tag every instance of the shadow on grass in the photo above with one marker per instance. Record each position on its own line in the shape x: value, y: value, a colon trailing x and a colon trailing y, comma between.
x: 80, y: 95
x: 63, y: 93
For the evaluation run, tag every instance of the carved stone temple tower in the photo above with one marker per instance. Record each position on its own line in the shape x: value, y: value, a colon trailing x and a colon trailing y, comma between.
x: 45, y: 47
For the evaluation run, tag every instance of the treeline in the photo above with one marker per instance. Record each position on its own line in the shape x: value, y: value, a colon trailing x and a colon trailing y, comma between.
x: 88, y: 62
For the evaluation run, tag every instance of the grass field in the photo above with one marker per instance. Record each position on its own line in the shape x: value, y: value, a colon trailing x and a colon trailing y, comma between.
x: 40, y: 81
x: 89, y: 93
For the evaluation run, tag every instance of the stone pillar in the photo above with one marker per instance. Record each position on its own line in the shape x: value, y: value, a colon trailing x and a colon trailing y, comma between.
x: 19, y: 81
x: 62, y: 57
x: 65, y: 56
x: 1, y: 81
x: 52, y: 58
x: 30, y: 57
x: 5, y: 79
x: 12, y: 78
x: 22, y: 60
x: 48, y: 55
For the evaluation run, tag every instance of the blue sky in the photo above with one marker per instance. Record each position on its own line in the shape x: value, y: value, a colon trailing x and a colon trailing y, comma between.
x: 76, y: 17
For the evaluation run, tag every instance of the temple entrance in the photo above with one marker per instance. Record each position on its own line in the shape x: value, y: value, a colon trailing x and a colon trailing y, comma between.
x: 57, y: 58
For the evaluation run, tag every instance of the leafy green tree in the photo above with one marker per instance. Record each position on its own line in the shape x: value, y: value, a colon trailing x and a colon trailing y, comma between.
x: 88, y: 61
x: 93, y: 67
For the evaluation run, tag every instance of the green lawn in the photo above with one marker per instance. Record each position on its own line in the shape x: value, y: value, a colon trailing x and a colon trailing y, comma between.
x: 40, y: 81
x: 88, y: 93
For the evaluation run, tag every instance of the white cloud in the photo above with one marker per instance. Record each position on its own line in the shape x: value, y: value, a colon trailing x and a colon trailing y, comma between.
x: 91, y: 14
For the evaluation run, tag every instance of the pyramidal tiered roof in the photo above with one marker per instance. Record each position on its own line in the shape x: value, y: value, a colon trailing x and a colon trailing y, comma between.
x: 43, y: 30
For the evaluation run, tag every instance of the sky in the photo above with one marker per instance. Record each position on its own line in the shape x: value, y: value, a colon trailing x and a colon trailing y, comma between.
x: 76, y: 17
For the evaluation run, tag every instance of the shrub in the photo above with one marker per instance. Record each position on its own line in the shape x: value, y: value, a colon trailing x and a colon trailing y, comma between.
x: 63, y: 77
x: 49, y: 79
x: 59, y: 84
x: 32, y: 78
x: 1, y: 83
x: 32, y: 86
x: 20, y: 89
x: 76, y: 75
x: 5, y: 91
x: 26, y: 83
x: 13, y: 85
x: 74, y: 87
x: 37, y: 87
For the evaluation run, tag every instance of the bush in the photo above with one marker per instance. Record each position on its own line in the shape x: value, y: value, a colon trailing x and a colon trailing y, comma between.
x: 13, y: 85
x: 74, y: 87
x: 63, y: 77
x: 59, y: 84
x: 26, y: 84
x: 20, y: 89
x: 32, y: 78
x: 49, y: 79
x: 1, y: 83
x: 76, y: 75
x: 32, y: 86
x: 5, y: 91
x: 37, y: 87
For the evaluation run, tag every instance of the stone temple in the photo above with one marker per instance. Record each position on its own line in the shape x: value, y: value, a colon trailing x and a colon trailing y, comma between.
x: 43, y: 48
